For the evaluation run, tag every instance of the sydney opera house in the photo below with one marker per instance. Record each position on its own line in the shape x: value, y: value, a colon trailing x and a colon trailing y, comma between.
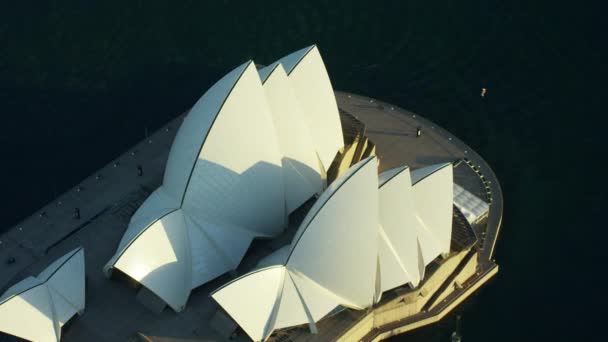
x: 274, y: 209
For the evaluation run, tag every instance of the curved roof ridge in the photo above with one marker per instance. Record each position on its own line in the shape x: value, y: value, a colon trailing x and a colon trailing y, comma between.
x: 267, y: 71
x: 423, y: 173
x: 241, y: 71
x: 291, y: 61
x: 118, y: 254
x: 324, y: 199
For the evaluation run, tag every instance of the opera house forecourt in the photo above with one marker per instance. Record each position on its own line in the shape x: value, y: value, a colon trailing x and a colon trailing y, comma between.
x: 274, y: 209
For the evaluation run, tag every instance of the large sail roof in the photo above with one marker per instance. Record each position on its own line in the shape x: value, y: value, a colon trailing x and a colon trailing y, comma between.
x: 223, y: 185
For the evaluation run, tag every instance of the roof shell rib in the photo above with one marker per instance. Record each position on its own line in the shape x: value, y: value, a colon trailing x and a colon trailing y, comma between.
x: 328, y: 264
x: 222, y: 187
x: 310, y: 81
x: 37, y: 307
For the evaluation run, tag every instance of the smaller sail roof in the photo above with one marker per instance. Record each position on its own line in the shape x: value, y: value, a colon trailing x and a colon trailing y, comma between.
x: 37, y: 307
x: 433, y: 203
x: 344, y: 219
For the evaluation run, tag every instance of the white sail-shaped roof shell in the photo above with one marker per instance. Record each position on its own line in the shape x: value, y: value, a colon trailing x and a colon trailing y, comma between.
x: 236, y: 177
x: 37, y: 307
x: 263, y: 288
x: 312, y: 87
x: 332, y: 261
x: 345, y: 215
x: 433, y: 203
x: 301, y: 165
x: 398, y: 240
x: 222, y: 187
x: 160, y: 253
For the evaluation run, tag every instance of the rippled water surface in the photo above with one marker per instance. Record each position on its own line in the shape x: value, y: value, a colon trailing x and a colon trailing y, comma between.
x: 81, y: 81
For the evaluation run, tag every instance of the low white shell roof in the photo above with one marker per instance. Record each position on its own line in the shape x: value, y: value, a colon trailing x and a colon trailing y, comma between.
x: 37, y: 307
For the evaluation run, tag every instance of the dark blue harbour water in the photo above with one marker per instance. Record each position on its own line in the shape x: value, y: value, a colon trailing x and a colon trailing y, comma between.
x: 81, y: 81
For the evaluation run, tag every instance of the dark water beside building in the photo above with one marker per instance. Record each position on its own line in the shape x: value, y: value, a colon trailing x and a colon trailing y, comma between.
x: 82, y: 81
